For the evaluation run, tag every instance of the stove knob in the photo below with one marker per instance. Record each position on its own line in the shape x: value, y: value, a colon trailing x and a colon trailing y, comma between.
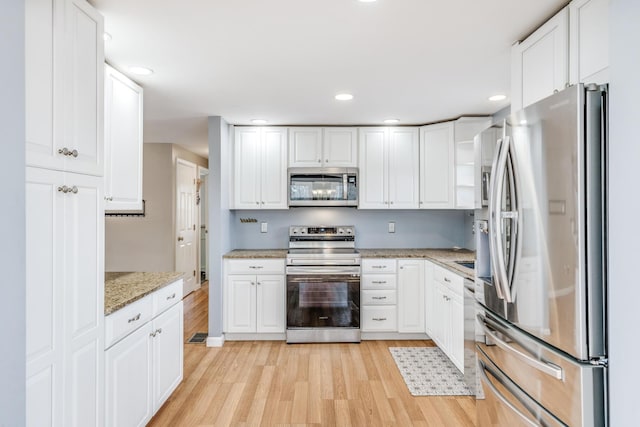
x: 340, y: 230
x: 295, y: 231
x: 349, y: 231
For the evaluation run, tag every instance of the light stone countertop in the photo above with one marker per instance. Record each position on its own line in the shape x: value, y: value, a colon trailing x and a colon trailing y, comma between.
x: 123, y: 288
x: 256, y: 253
x: 444, y: 257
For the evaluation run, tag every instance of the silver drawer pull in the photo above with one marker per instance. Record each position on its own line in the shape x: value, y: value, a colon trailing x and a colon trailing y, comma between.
x: 379, y: 282
x: 134, y: 318
x: 256, y: 267
x: 171, y: 296
x: 447, y: 280
x: 379, y: 319
x: 378, y: 266
x: 378, y: 297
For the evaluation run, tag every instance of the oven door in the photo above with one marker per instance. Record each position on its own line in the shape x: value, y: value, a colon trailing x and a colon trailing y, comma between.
x: 324, y: 297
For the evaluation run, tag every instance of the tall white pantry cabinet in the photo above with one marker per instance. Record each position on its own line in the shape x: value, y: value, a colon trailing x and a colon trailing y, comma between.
x: 65, y: 213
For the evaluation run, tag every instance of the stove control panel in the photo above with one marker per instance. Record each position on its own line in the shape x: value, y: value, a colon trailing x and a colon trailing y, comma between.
x: 341, y: 230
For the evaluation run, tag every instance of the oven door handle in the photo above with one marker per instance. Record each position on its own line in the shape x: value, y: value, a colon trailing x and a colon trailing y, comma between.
x: 324, y: 271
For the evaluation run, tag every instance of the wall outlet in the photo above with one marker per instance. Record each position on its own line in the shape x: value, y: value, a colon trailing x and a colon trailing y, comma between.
x: 263, y: 227
x: 392, y: 227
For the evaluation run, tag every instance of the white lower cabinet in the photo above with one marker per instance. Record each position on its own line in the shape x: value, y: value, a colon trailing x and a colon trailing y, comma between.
x: 378, y: 296
x: 144, y: 368
x: 254, y: 303
x: 447, y: 329
x: 429, y: 299
x: 411, y: 295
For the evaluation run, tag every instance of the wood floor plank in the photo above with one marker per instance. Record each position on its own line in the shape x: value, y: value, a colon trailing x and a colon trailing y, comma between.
x: 270, y: 383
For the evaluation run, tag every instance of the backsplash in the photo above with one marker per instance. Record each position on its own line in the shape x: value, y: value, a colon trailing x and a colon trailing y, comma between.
x: 413, y: 229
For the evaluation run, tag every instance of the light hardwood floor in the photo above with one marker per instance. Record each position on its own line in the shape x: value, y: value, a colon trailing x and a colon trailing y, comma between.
x: 271, y: 383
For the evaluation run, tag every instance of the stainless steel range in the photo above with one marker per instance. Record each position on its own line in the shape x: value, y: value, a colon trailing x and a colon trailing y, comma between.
x: 323, y: 285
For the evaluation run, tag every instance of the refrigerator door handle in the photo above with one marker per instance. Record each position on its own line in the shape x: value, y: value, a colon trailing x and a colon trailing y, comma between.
x: 504, y: 400
x: 545, y: 367
x: 497, y: 255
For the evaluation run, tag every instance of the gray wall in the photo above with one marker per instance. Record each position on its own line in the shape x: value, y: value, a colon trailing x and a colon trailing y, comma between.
x: 147, y: 243
x: 219, y: 216
x: 624, y: 205
x: 12, y: 226
x: 414, y: 229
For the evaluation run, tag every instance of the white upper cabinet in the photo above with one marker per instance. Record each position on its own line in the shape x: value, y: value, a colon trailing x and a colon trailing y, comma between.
x: 437, y: 153
x: 260, y: 172
x: 122, y: 142
x: 589, y: 41
x: 64, y: 59
x: 323, y: 147
x: 540, y: 63
x: 465, y: 129
x: 389, y: 168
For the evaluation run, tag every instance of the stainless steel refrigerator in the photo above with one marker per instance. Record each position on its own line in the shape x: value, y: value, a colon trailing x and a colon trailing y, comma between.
x: 542, y: 311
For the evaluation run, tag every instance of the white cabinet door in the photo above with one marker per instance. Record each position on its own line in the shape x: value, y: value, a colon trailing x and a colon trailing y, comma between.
x: 456, y: 332
x: 429, y: 298
x: 122, y: 142
x: 241, y: 303
x: 373, y: 169
x: 340, y: 147
x: 84, y: 88
x: 44, y: 296
x: 540, y: 64
x: 84, y: 300
x: 437, y: 166
x: 404, y: 168
x: 411, y: 275
x: 44, y: 35
x: 247, y: 168
x: 129, y: 376
x: 270, y: 305
x: 274, y: 169
x: 167, y: 354
x: 589, y: 41
x: 305, y: 147
x: 442, y: 315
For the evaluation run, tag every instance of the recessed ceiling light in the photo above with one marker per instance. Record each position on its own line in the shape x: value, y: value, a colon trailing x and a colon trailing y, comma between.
x: 259, y: 121
x: 141, y: 71
x: 344, y: 97
x: 497, y: 98
x: 106, y: 36
x: 391, y: 121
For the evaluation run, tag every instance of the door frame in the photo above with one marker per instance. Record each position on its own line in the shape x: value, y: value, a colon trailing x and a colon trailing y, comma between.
x: 203, y: 219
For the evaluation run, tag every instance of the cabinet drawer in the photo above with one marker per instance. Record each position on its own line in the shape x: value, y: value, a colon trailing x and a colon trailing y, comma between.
x: 126, y: 320
x: 378, y: 281
x: 166, y: 297
x: 449, y: 279
x: 381, y: 318
x: 377, y: 297
x: 255, y: 266
x: 382, y: 265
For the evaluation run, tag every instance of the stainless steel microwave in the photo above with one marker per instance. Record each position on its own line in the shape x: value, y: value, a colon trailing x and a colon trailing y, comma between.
x: 323, y: 187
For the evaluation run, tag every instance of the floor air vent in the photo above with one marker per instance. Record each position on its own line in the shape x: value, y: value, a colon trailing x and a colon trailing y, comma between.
x: 198, y: 338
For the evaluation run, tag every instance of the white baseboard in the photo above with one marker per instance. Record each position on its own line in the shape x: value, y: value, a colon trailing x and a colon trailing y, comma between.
x: 215, y: 341
x: 382, y: 336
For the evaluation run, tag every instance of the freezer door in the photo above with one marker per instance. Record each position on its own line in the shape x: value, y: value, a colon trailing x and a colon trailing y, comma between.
x: 501, y: 403
x: 547, y: 257
x: 573, y: 392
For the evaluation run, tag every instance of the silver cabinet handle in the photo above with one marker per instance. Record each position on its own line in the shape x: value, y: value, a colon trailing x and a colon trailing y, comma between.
x: 159, y: 330
x: 378, y: 266
x: 180, y: 239
x: 256, y: 267
x: 63, y: 189
x: 253, y: 283
x: 152, y: 334
x: 257, y: 203
x: 172, y: 296
x: 447, y: 280
x: 109, y: 199
x: 319, y: 160
x: 327, y: 161
x: 66, y: 152
x: 378, y: 297
x: 73, y: 190
x: 548, y: 368
x: 379, y: 319
x: 258, y: 283
x: 391, y: 202
x: 134, y: 318
x: 379, y: 282
x: 263, y: 203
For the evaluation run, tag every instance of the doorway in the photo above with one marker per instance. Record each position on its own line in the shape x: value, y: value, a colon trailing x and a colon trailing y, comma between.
x: 186, y: 219
x: 203, y: 182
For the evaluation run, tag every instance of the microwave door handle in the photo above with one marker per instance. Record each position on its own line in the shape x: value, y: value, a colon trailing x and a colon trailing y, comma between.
x: 504, y: 400
x: 544, y: 367
x: 345, y: 186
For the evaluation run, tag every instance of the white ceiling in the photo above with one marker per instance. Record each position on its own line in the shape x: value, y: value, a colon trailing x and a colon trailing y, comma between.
x: 420, y: 61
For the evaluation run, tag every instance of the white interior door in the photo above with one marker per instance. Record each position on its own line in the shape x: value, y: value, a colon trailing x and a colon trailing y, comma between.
x: 186, y: 220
